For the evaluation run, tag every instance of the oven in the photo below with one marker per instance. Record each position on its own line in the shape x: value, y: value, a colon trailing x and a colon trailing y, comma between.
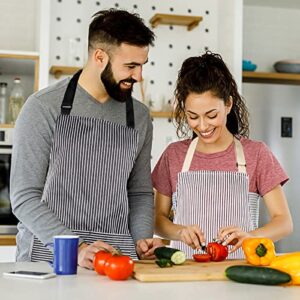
x: 8, y: 222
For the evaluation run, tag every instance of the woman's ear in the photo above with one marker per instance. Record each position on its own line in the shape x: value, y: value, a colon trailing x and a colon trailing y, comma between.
x: 229, y: 104
x: 101, y: 58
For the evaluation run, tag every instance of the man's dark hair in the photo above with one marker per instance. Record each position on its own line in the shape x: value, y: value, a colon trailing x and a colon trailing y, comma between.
x: 113, y: 27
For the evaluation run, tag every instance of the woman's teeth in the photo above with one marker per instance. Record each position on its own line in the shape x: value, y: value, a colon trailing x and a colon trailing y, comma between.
x: 207, y: 133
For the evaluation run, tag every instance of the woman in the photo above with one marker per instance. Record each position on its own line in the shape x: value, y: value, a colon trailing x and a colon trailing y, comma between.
x: 213, y: 182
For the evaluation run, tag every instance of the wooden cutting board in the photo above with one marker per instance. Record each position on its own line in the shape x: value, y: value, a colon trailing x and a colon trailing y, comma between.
x: 148, y: 271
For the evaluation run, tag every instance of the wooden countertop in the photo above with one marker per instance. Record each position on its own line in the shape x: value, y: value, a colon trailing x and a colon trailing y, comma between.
x: 7, y: 240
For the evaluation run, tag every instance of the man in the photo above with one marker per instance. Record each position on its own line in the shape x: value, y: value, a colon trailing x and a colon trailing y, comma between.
x: 81, y: 157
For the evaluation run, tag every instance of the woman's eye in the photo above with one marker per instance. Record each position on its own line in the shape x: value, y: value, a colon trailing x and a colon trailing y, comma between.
x: 212, y: 117
x: 193, y: 118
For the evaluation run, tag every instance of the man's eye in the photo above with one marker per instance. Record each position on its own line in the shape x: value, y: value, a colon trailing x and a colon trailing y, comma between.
x: 131, y: 67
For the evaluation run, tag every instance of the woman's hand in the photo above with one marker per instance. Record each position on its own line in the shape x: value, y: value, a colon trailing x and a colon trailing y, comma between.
x: 87, y: 252
x: 233, y: 236
x: 192, y: 236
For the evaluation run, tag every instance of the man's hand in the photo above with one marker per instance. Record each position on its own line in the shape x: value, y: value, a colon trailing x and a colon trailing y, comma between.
x: 87, y: 252
x: 145, y: 248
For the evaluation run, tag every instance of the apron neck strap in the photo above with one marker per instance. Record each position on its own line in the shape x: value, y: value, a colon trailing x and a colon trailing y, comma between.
x: 68, y: 100
x: 240, y: 157
x: 189, y: 155
x: 129, y: 113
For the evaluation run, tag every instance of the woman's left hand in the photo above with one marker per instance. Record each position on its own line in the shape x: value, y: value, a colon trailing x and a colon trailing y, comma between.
x: 233, y: 236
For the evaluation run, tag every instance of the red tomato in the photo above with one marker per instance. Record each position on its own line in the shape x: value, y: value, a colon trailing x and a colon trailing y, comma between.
x: 100, y: 259
x: 201, y: 257
x: 119, y: 267
x: 217, y: 251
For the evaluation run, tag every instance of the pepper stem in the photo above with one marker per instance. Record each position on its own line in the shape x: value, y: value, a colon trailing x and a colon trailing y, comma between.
x: 261, y: 250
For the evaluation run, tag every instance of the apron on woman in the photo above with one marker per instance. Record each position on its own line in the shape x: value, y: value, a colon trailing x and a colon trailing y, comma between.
x: 86, y: 186
x: 214, y: 199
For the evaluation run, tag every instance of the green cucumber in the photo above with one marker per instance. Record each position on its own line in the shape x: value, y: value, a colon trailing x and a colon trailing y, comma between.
x: 176, y: 256
x: 257, y: 275
x: 164, y: 263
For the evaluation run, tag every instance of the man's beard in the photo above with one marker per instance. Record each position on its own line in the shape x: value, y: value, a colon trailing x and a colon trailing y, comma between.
x: 113, y: 88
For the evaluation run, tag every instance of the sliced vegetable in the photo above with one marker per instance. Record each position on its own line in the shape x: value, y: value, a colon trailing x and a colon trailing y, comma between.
x: 257, y: 275
x: 289, y: 263
x: 164, y: 263
x: 259, y: 251
x: 176, y: 256
x: 217, y: 251
x: 202, y: 257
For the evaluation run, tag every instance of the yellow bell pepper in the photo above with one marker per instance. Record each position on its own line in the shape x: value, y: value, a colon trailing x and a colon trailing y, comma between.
x: 288, y: 263
x: 259, y: 251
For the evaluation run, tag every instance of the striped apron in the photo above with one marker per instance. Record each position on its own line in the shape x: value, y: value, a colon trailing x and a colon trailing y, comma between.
x: 214, y: 199
x: 86, y: 186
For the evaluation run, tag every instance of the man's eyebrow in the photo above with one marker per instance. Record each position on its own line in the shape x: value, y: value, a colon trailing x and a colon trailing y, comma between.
x: 133, y: 63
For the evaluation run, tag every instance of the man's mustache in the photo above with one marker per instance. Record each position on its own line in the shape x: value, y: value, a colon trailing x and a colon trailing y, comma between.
x: 130, y: 80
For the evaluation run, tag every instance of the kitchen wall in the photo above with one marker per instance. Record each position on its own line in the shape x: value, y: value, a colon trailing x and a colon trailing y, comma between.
x: 19, y: 25
x: 271, y: 34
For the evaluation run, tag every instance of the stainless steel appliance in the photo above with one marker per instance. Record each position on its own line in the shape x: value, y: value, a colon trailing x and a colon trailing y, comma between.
x: 8, y: 221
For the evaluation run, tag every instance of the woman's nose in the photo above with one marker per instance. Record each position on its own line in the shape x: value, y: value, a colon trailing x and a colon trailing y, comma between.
x: 202, y: 125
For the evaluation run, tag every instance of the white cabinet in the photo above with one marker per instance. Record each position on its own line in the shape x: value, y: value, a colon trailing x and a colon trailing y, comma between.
x: 7, y: 254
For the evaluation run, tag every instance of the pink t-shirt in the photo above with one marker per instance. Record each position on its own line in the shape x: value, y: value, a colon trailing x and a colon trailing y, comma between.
x: 263, y: 169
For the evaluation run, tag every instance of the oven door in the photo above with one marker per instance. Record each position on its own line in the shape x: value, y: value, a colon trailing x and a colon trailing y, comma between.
x: 8, y: 221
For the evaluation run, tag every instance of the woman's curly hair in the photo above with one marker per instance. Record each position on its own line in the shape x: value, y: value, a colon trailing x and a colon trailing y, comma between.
x: 209, y: 73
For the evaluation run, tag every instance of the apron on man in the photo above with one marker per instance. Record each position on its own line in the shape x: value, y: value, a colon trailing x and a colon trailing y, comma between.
x: 214, y: 199
x: 86, y: 186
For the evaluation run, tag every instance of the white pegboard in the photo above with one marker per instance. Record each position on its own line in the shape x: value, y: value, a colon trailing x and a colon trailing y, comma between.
x: 70, y: 20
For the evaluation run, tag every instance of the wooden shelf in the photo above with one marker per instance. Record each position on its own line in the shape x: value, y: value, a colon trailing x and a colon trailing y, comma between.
x: 23, y: 62
x: 167, y: 19
x: 7, y: 240
x: 58, y: 71
x: 161, y: 114
x: 7, y: 125
x: 273, y: 78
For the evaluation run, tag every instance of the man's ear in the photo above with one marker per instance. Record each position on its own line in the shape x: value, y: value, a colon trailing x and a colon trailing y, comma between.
x: 101, y: 58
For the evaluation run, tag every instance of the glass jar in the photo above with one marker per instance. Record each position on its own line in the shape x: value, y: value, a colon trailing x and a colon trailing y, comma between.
x: 3, y: 103
x: 16, y: 100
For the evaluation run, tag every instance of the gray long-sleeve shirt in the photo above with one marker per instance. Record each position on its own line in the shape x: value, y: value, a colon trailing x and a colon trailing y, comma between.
x: 31, y: 151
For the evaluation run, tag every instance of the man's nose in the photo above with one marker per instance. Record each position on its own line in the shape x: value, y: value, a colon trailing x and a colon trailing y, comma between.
x: 137, y: 74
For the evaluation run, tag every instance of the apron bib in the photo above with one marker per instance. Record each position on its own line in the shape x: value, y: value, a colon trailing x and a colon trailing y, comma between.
x: 86, y: 186
x: 214, y: 199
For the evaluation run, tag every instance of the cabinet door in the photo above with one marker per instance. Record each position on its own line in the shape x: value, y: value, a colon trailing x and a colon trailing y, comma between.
x: 7, y: 254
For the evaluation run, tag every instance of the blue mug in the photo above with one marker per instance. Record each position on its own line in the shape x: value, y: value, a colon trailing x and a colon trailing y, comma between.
x: 65, y: 254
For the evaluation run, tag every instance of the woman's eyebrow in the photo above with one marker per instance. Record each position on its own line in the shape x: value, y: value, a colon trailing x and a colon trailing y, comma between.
x: 189, y: 111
